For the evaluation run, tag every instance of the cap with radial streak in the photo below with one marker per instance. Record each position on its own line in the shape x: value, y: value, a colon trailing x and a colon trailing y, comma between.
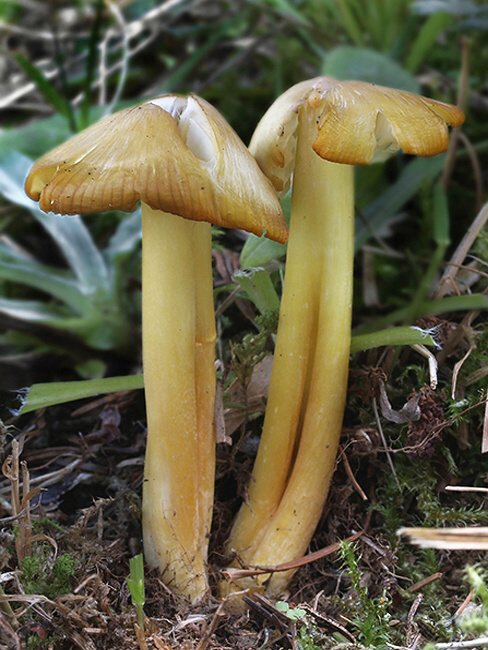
x: 357, y: 123
x: 175, y: 154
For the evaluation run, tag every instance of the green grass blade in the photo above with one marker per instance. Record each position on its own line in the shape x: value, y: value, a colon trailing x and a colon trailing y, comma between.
x: 392, y: 336
x: 426, y: 38
x: 50, y: 280
x: 69, y: 233
x: 441, y: 217
x: 441, y: 236
x: 31, y: 310
x: 454, y: 303
x: 91, y: 64
x: 47, y: 89
x: 43, y: 395
x: 374, y: 25
x: 286, y: 8
x: 136, y: 579
x: 175, y: 79
x: 378, y: 213
x: 350, y: 24
x: 467, y: 302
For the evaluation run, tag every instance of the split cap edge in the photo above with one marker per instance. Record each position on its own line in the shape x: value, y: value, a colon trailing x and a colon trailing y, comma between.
x: 357, y: 123
x: 175, y: 154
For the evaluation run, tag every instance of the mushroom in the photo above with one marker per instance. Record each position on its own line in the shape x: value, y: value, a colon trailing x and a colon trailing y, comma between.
x: 318, y: 130
x: 181, y: 159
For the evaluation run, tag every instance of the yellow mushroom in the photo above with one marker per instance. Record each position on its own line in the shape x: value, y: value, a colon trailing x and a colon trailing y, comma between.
x: 318, y: 130
x: 180, y: 158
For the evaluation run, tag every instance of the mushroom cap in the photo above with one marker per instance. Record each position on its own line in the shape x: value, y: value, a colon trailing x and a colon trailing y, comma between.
x: 357, y: 123
x: 175, y: 154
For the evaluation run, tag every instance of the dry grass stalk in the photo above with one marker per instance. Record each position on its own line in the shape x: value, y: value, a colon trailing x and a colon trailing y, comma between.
x: 8, y: 636
x: 484, y: 441
x: 465, y: 488
x: 20, y: 505
x: 217, y: 617
x: 426, y: 581
x: 141, y: 639
x: 351, y: 476
x: 447, y: 282
x: 26, y: 525
x: 160, y: 645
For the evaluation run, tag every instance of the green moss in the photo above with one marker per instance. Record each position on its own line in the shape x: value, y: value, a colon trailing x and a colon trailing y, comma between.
x: 476, y: 622
x: 41, y: 576
x: 36, y: 643
x: 369, y: 615
x: 252, y: 348
x: 44, y: 524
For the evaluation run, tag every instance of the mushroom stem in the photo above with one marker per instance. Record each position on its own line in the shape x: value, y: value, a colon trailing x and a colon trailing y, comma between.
x: 307, y: 394
x: 178, y: 354
x: 205, y: 381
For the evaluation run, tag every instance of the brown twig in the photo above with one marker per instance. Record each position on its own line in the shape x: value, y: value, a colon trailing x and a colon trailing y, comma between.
x: 412, y: 634
x: 465, y: 602
x: 383, y: 440
x: 214, y: 623
x: 459, y: 364
x: 476, y: 167
x: 425, y: 581
x: 232, y: 574
x: 351, y: 476
x: 447, y: 280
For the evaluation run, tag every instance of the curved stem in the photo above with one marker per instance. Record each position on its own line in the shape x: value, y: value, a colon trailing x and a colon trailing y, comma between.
x: 294, y: 345
x: 309, y: 380
x: 302, y: 503
x: 179, y: 388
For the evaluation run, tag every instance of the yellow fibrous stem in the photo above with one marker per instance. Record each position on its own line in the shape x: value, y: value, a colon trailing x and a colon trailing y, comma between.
x: 205, y: 373
x: 307, y: 394
x: 179, y: 377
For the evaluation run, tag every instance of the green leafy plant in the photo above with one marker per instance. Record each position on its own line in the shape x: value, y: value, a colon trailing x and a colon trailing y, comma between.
x: 259, y: 288
x: 307, y: 635
x: 135, y: 582
x: 293, y: 613
x: 260, y: 251
x: 86, y: 299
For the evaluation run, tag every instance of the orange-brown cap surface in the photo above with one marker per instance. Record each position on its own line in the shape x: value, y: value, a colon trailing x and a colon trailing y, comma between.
x: 173, y: 153
x: 357, y: 122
